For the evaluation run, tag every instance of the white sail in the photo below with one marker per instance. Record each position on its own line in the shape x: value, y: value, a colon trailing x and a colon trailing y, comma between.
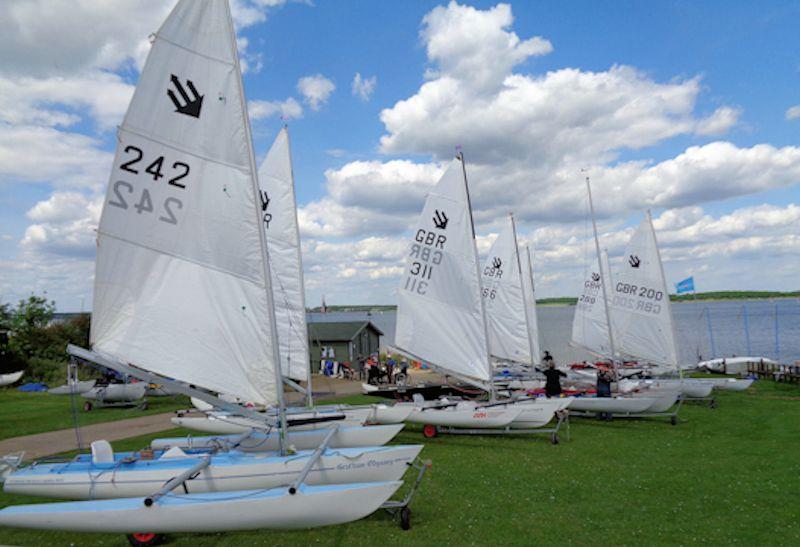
x: 529, y: 290
x: 640, y: 305
x: 589, y: 325
x: 279, y: 213
x: 180, y: 285
x: 504, y: 300
x: 439, y: 311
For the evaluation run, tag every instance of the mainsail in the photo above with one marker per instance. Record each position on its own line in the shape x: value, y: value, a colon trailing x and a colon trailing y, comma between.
x: 440, y: 316
x: 181, y: 284
x: 279, y: 214
x: 640, y: 304
x: 589, y: 325
x: 504, y: 299
x: 529, y: 290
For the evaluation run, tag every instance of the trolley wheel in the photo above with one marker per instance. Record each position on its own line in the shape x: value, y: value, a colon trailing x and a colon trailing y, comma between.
x: 143, y: 539
x: 429, y: 431
x: 144, y: 405
x: 554, y: 438
x: 673, y: 420
x: 713, y: 403
x: 87, y: 406
x: 405, y: 518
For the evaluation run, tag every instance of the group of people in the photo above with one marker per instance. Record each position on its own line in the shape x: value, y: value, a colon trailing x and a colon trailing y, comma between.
x: 374, y: 371
x: 552, y: 386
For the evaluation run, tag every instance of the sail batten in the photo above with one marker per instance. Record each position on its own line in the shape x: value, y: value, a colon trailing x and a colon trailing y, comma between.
x: 180, y: 282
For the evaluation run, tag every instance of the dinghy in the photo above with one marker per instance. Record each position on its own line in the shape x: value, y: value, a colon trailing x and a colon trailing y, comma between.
x: 688, y: 387
x: 77, y: 387
x: 10, y: 378
x: 259, y: 441
x: 116, y: 393
x: 614, y: 405
x: 182, y: 288
x: 465, y: 414
x: 108, y: 475
x: 226, y: 424
x: 732, y: 384
x: 274, y: 508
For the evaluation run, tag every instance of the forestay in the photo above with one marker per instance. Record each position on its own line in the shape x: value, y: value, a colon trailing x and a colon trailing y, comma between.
x: 279, y: 214
x: 180, y: 281
x: 504, y: 300
x: 640, y: 302
x: 439, y: 312
x: 529, y: 291
x: 589, y: 325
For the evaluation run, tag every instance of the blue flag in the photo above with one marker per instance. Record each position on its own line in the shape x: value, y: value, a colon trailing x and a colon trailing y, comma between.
x: 687, y: 285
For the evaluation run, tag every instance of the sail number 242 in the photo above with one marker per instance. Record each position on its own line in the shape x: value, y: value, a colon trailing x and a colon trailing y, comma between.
x: 174, y: 173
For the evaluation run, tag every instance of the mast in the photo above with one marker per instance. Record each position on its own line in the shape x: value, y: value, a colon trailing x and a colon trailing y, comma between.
x: 534, y: 356
x: 668, y: 303
x: 264, y: 251
x: 524, y: 299
x: 309, y: 395
x: 602, y: 277
x: 493, y: 391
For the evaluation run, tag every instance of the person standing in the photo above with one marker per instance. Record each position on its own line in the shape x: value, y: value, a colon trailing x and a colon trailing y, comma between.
x: 604, y: 379
x: 360, y: 367
x: 552, y: 385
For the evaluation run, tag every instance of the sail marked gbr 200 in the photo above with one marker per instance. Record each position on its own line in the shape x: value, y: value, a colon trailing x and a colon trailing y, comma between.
x: 141, y: 166
x: 426, y: 252
x: 637, y: 297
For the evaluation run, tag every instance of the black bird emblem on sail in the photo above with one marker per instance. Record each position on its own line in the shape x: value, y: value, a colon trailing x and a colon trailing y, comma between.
x: 595, y: 277
x: 497, y: 263
x: 440, y: 219
x: 190, y: 106
x: 634, y: 261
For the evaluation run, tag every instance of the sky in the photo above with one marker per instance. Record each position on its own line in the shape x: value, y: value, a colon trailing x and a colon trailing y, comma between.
x: 688, y: 109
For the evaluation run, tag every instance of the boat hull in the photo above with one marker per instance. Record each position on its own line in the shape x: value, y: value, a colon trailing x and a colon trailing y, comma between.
x: 78, y: 388
x: 346, y: 437
x: 539, y: 412
x: 619, y: 405
x: 10, y: 378
x: 276, y: 508
x: 116, y: 393
x: 473, y: 417
x: 227, y: 472
x: 689, y: 387
x: 732, y: 384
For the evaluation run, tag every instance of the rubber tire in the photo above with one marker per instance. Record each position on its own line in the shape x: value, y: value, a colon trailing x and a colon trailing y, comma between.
x: 144, y: 405
x: 429, y: 431
x: 405, y: 518
x: 87, y: 406
x: 673, y: 420
x: 144, y: 539
x: 712, y: 404
x: 554, y: 438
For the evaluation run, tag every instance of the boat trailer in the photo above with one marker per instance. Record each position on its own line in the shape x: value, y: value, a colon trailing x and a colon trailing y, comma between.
x: 431, y: 431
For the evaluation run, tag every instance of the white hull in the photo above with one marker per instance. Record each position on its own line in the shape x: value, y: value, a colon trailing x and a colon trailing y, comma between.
x: 222, y: 424
x: 346, y: 437
x: 10, y: 378
x: 733, y: 365
x: 78, y: 387
x: 664, y: 400
x: 311, y: 506
x: 538, y: 412
x: 227, y: 472
x: 466, y: 415
x: 382, y: 414
x: 689, y: 387
x: 732, y: 384
x: 116, y: 393
x: 619, y: 405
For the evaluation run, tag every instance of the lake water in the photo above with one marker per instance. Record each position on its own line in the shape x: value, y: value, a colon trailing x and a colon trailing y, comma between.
x: 705, y: 329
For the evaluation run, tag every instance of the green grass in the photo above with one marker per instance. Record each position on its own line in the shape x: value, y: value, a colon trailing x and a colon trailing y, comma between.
x: 725, y: 475
x: 29, y: 413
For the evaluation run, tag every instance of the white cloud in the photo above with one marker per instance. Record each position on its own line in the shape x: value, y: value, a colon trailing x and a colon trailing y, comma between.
x: 315, y: 89
x: 363, y: 87
x: 289, y: 108
x: 64, y: 225
x: 793, y: 112
x: 719, y: 122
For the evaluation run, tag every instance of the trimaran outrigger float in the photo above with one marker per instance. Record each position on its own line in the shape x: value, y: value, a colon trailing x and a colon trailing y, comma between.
x: 183, y: 297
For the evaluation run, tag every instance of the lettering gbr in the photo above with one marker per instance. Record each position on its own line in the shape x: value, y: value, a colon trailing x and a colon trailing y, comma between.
x: 426, y: 253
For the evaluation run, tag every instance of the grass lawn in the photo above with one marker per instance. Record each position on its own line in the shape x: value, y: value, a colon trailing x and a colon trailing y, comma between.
x: 726, y: 475
x: 29, y: 413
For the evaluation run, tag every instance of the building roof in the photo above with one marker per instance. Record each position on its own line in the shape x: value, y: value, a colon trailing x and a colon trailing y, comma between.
x: 339, y: 330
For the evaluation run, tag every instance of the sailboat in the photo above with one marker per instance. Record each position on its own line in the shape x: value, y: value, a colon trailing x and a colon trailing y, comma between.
x: 440, y: 315
x: 510, y: 305
x: 183, y: 291
x: 279, y: 216
x: 595, y: 328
